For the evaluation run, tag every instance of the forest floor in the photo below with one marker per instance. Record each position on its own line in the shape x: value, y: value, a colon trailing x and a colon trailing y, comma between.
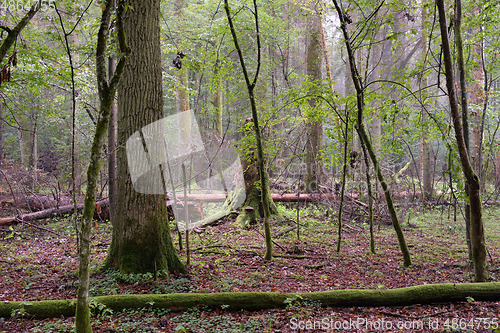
x: 36, y: 264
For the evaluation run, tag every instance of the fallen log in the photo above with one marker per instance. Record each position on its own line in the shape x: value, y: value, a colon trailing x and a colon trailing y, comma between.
x: 286, y: 197
x: 420, y: 294
x: 103, y: 204
x: 51, y: 212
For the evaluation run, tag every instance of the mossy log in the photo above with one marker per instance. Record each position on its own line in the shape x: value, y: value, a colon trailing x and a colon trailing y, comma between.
x: 421, y: 294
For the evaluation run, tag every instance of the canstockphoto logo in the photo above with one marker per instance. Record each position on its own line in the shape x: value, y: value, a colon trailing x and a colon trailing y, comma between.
x: 170, y: 156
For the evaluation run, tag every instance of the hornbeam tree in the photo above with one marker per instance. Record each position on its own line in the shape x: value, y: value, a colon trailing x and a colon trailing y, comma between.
x: 107, y: 89
x: 363, y: 136
x: 265, y: 191
x: 478, y: 246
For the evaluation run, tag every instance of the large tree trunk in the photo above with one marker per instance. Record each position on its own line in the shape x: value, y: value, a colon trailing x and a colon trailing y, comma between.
x: 314, y: 124
x: 476, y: 223
x: 497, y: 170
x: 1, y: 134
x: 112, y: 186
x: 420, y: 294
x: 251, y: 176
x: 425, y: 156
x: 141, y: 239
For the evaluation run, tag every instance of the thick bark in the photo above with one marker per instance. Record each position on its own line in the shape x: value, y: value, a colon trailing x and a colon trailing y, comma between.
x: 358, y: 86
x: 314, y: 125
x: 141, y: 240
x: 497, y: 170
x: 476, y: 223
x: 1, y: 134
x: 425, y: 156
x: 420, y: 294
x: 251, y: 177
x: 183, y: 90
x: 112, y: 149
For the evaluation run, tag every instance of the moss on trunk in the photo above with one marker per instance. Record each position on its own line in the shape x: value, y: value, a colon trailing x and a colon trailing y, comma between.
x: 421, y: 294
x: 253, y: 199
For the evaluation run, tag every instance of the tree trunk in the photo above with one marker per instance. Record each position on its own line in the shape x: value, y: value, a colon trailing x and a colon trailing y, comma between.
x: 264, y: 188
x: 464, y: 103
x: 12, y: 34
x: 251, y: 176
x: 183, y: 90
x: 360, y: 99
x: 107, y: 90
x: 425, y: 156
x: 112, y: 150
x: 217, y: 101
x: 1, y: 134
x: 420, y: 294
x: 314, y: 124
x: 141, y: 240
x: 27, y: 134
x: 476, y: 223
x: 497, y: 170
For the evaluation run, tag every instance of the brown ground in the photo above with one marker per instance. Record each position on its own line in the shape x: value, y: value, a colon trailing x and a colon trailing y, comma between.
x: 36, y: 265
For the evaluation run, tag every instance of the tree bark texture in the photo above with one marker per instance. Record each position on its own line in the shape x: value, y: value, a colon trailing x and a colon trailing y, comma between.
x: 112, y: 186
x: 251, y: 177
x: 420, y: 294
x: 1, y: 134
x: 476, y: 223
x: 314, y: 124
x: 425, y: 149
x: 141, y: 240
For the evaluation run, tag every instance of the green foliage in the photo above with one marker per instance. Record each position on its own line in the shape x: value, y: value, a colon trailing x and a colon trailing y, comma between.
x: 198, y: 320
x: 98, y: 309
x: 180, y: 285
x: 301, y: 307
x: 54, y: 326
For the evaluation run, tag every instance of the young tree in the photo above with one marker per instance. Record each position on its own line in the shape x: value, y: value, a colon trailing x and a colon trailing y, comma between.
x: 265, y: 192
x: 27, y: 137
x: 360, y: 128
x: 107, y: 90
x: 476, y: 222
x: 141, y: 240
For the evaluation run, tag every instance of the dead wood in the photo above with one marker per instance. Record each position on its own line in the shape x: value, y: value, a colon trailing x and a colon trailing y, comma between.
x: 281, y: 233
x: 420, y: 294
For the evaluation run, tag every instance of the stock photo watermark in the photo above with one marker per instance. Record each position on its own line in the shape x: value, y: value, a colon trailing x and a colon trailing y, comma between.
x: 170, y: 157
x: 22, y: 6
x: 384, y: 325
